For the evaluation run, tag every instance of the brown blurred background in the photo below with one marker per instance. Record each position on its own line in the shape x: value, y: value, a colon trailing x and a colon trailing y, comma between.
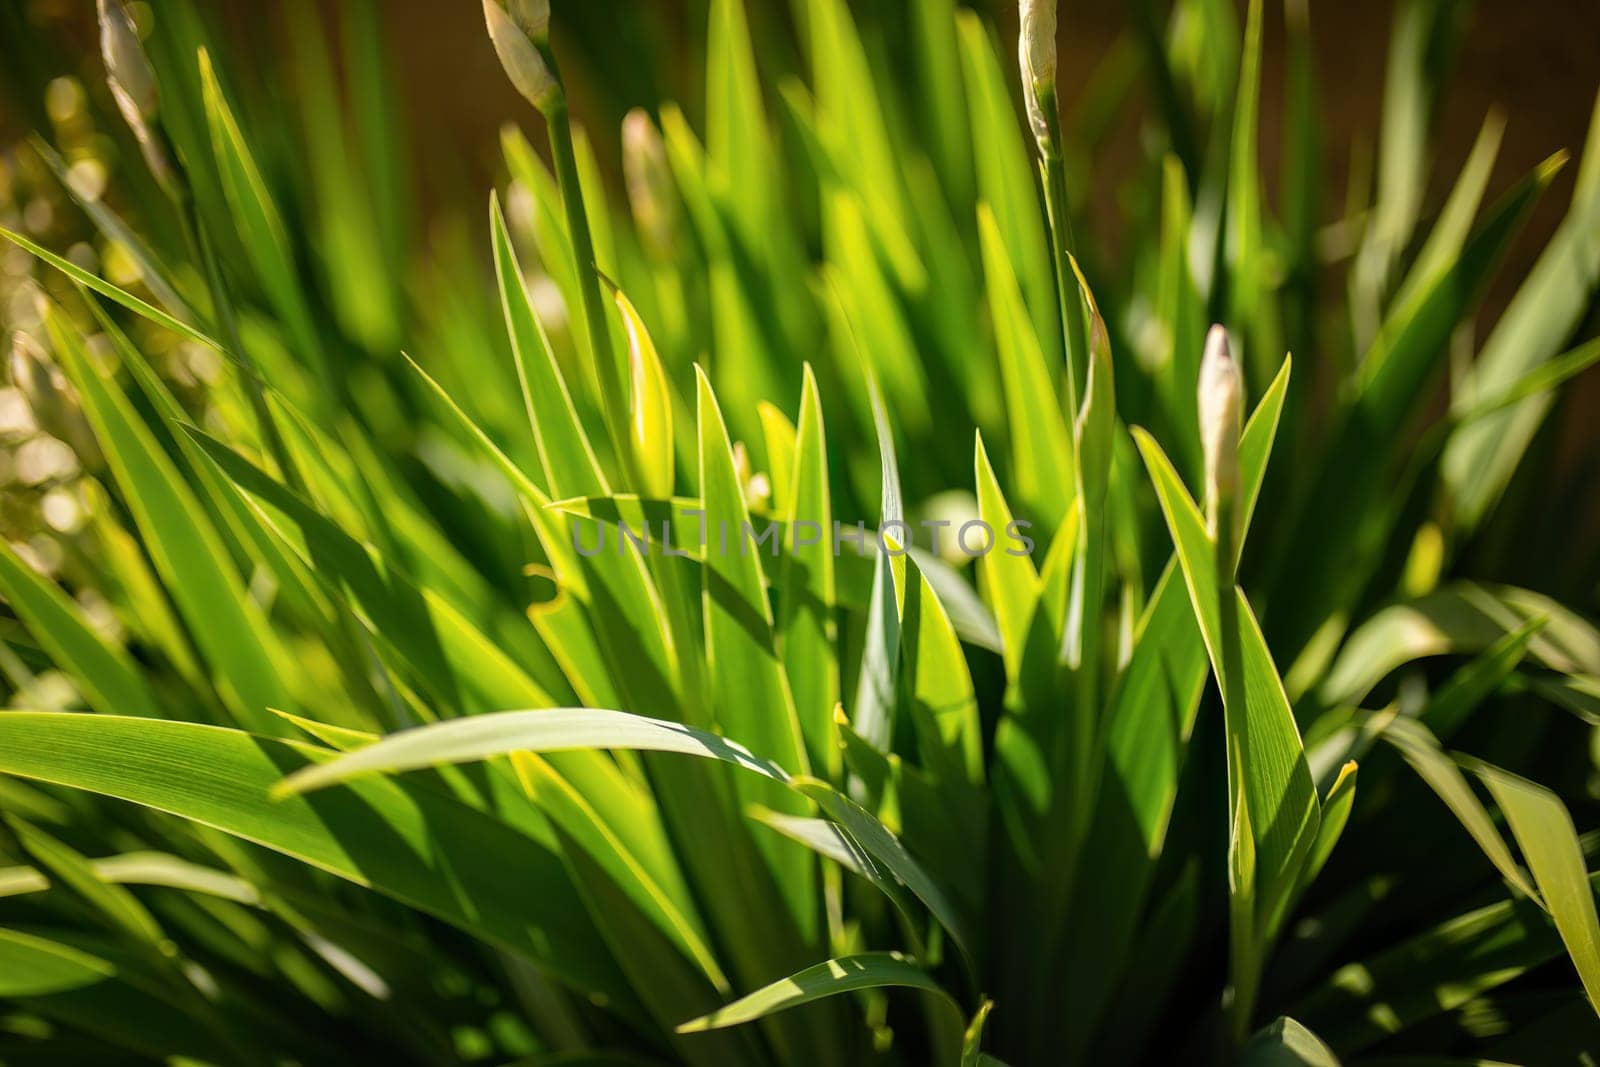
x: 1533, y: 59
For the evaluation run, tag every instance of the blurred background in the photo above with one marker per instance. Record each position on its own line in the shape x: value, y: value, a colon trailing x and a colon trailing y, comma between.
x: 1532, y: 61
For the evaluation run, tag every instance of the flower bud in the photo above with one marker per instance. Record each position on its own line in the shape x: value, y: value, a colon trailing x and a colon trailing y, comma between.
x: 532, y: 17
x: 1221, y: 401
x: 649, y: 181
x: 513, y: 36
x: 133, y: 85
x: 1036, y: 56
x: 128, y: 70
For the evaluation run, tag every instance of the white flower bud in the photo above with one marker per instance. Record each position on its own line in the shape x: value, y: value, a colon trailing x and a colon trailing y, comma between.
x: 133, y: 85
x: 1221, y: 401
x: 532, y: 18
x: 1036, y: 55
x: 518, y: 51
x: 128, y: 70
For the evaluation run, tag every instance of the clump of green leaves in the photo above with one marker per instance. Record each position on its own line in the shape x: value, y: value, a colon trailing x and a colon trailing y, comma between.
x: 363, y: 745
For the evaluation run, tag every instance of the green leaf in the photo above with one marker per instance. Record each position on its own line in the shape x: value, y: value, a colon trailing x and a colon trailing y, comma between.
x: 1455, y: 220
x: 1286, y: 1043
x: 1541, y: 381
x: 1001, y: 157
x: 868, y: 970
x: 1544, y: 831
x: 542, y: 730
x: 831, y: 841
x: 943, y: 701
x: 1421, y: 750
x: 750, y: 694
x: 873, y: 836
x: 1041, y: 450
x: 34, y: 967
x: 1436, y: 971
x: 1550, y: 303
x: 1276, y: 779
x: 111, y: 292
x: 151, y: 271
x: 107, y: 675
x: 1414, y: 336
x: 738, y: 155
x: 1472, y: 684
x: 1010, y: 582
x: 114, y: 902
x: 1249, y: 301
x: 650, y: 425
x: 261, y: 229
x: 568, y: 458
x: 185, y: 546
x: 1151, y: 715
x: 565, y: 729
x: 1462, y: 617
x: 1336, y: 805
x: 805, y: 585
x: 415, y: 845
x: 874, y: 708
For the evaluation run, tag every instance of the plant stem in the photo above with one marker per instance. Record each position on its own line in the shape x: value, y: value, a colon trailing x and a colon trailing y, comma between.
x: 608, y: 373
x: 1246, y: 957
x: 1068, y: 297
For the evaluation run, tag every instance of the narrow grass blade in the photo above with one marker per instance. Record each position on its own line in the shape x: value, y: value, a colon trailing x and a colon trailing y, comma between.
x: 750, y: 693
x: 108, y: 676
x: 1276, y: 778
x: 542, y: 730
x: 1421, y: 750
x: 1006, y: 180
x: 843, y: 975
x: 151, y: 271
x: 415, y: 845
x: 805, y: 584
x: 877, y: 684
x: 111, y: 292
x: 650, y: 425
x: 1041, y: 450
x: 188, y: 553
x: 262, y: 233
x: 564, y: 449
x: 1286, y: 1043
x: 35, y: 967
x: 114, y: 902
x: 1010, y: 582
x: 1547, y: 307
x: 1544, y: 831
x: 1462, y: 617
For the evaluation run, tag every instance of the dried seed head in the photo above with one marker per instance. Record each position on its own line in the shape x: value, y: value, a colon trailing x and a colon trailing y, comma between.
x: 1221, y: 401
x: 649, y: 181
x: 518, y: 49
x: 1036, y: 55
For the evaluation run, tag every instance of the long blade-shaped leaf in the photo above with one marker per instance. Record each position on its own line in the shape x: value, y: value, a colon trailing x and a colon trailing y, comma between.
x: 416, y: 845
x: 870, y: 970
x: 182, y: 541
x: 34, y: 967
x: 1543, y: 829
